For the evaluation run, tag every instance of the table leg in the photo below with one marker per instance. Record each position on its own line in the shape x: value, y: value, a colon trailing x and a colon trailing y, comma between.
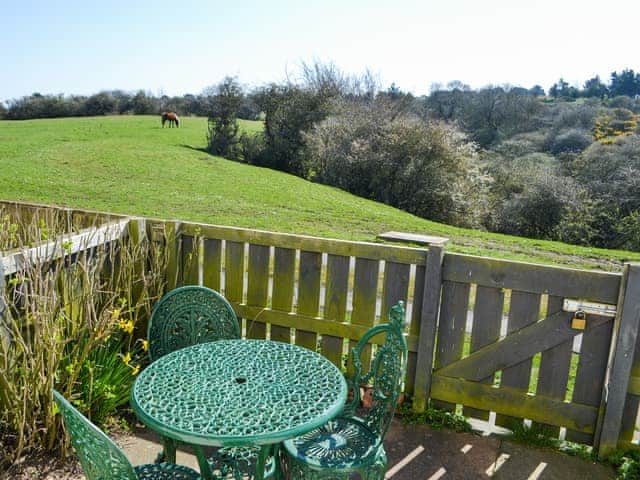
x: 205, y: 469
x: 168, y: 453
x: 266, y: 452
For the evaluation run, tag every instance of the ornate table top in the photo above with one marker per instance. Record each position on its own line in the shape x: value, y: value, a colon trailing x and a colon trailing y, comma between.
x: 238, y: 392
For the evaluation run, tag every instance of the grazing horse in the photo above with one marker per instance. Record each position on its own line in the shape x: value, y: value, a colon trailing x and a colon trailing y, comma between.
x: 172, y: 117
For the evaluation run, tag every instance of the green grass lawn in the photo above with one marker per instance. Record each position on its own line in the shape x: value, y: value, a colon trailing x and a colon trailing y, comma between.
x: 130, y: 165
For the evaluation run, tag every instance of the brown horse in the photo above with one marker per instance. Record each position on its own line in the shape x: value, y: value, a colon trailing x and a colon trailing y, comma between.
x: 172, y: 117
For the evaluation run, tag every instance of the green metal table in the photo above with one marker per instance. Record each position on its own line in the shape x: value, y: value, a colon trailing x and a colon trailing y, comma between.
x: 232, y: 393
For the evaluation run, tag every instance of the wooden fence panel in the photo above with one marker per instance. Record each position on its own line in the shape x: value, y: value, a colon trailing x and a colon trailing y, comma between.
x: 592, y: 364
x: 257, y: 287
x: 555, y: 364
x: 523, y: 311
x: 451, y: 329
x: 414, y: 327
x: 212, y: 262
x: 487, y: 315
x: 190, y: 260
x: 234, y: 271
x: 283, y: 285
x: 335, y: 306
x: 395, y: 287
x: 365, y: 292
x: 308, y: 295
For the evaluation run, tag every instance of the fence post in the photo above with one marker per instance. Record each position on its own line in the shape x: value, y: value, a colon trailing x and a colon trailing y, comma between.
x: 428, y: 325
x: 173, y: 245
x: 625, y: 333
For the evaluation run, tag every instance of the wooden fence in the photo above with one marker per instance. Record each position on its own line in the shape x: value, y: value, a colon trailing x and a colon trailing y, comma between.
x: 485, y: 335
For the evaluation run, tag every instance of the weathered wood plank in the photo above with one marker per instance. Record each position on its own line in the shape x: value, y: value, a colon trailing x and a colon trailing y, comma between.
x: 413, y: 238
x: 16, y: 260
x: 365, y: 291
x: 374, y: 251
x: 335, y: 305
x: 312, y: 324
x: 190, y: 260
x: 626, y: 329
x: 487, y: 316
x: 173, y: 245
x: 632, y: 404
x: 563, y: 282
x: 451, y: 328
x: 414, y: 327
x: 257, y: 286
x: 212, y: 264
x: 283, y: 286
x: 518, y: 346
x: 234, y: 271
x: 395, y: 286
x: 524, y: 311
x: 308, y: 295
x: 428, y: 324
x: 592, y: 367
x: 513, y: 402
x: 555, y: 363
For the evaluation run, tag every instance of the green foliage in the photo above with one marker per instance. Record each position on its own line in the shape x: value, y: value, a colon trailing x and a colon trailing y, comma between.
x: 73, y: 328
x: 426, y: 168
x: 534, y: 434
x: 434, y: 417
x: 290, y: 110
x: 100, y: 104
x: 627, y: 464
x: 106, y: 378
x: 223, y: 107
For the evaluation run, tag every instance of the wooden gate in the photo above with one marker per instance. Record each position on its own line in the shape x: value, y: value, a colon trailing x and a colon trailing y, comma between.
x: 505, y: 345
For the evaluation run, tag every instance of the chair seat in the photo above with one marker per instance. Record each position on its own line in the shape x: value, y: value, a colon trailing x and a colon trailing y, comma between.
x: 165, y: 471
x: 339, y: 444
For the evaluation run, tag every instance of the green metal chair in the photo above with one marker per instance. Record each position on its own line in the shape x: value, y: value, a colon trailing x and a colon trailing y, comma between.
x: 187, y: 316
x: 353, y: 441
x: 102, y: 459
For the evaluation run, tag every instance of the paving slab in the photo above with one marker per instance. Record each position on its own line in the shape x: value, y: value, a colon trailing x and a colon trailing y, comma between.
x: 421, y: 452
x: 414, y: 451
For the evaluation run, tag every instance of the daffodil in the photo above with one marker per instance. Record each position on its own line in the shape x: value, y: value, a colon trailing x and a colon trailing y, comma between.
x: 145, y: 345
x: 126, y: 358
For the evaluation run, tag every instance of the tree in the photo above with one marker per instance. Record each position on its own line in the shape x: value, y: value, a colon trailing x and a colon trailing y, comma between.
x: 537, y: 91
x: 143, y: 104
x: 561, y: 89
x: 99, y: 104
x: 222, y: 116
x: 626, y: 82
x: 595, y: 88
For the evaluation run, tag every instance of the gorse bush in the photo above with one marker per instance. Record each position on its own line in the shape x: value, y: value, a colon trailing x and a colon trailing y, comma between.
x: 73, y: 324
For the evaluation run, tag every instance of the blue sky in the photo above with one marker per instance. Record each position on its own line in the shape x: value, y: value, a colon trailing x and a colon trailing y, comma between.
x: 182, y: 46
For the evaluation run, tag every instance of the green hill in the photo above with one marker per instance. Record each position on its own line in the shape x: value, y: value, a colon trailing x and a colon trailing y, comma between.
x: 130, y: 165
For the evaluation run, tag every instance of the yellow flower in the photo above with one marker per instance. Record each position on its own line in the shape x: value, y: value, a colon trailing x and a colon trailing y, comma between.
x: 126, y: 325
x: 126, y: 358
x: 136, y: 370
x: 115, y: 314
x: 145, y: 345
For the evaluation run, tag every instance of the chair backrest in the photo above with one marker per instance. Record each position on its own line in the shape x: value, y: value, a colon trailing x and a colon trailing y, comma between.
x: 386, y: 372
x: 188, y: 316
x: 100, y: 457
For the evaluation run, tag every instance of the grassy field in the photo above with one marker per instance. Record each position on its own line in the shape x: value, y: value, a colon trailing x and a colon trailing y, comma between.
x: 130, y: 165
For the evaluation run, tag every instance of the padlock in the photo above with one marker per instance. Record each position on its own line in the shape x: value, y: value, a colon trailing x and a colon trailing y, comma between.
x: 579, y: 320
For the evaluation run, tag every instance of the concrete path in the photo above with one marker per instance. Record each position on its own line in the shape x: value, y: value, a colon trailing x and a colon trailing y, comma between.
x: 419, y: 452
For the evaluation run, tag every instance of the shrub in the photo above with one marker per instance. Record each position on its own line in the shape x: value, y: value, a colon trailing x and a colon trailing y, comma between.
x: 73, y: 327
x: 424, y: 167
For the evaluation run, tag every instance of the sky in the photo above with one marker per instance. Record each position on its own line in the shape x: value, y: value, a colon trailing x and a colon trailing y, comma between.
x: 182, y: 46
